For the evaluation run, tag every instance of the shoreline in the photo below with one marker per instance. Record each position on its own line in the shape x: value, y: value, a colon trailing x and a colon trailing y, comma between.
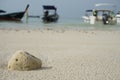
x: 59, y: 29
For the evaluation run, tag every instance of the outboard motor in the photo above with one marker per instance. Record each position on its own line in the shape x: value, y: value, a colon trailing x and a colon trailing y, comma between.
x: 105, y: 19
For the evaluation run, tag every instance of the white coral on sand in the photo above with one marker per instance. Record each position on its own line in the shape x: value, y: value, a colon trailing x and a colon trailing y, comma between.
x: 22, y: 61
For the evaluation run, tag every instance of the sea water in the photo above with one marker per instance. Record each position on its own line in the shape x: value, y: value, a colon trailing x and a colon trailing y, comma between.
x: 62, y: 23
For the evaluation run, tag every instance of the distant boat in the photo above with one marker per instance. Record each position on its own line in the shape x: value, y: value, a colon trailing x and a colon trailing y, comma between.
x: 50, y: 14
x: 16, y: 16
x: 105, y: 16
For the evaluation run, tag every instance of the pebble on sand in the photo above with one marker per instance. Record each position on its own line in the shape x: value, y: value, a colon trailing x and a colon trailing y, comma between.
x: 23, y: 61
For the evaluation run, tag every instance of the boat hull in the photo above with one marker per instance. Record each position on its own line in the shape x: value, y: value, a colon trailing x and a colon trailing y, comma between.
x: 52, y: 18
x: 17, y: 16
x: 118, y: 18
x: 110, y: 21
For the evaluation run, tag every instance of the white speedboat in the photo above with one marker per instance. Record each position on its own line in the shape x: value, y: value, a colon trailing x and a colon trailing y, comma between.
x: 105, y: 16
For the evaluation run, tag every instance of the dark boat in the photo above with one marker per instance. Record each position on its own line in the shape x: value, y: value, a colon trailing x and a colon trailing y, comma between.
x: 50, y: 14
x: 16, y: 16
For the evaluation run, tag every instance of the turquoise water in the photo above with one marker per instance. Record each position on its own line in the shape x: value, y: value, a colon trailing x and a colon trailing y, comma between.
x: 36, y: 23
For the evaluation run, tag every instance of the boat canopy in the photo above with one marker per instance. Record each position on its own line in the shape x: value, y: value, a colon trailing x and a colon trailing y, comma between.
x: 89, y: 10
x: 104, y: 4
x: 99, y: 10
x: 49, y: 7
x: 104, y: 10
x: 2, y: 11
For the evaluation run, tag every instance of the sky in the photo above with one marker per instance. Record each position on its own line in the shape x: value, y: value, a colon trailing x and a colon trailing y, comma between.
x: 66, y: 8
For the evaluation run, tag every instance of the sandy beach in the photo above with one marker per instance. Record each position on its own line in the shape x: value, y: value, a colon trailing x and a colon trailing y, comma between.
x: 66, y: 54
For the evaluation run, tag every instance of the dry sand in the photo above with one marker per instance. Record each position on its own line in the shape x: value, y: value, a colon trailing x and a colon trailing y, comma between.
x: 66, y: 55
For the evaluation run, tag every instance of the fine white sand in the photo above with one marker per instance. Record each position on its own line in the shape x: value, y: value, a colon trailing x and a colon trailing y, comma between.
x: 66, y: 54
